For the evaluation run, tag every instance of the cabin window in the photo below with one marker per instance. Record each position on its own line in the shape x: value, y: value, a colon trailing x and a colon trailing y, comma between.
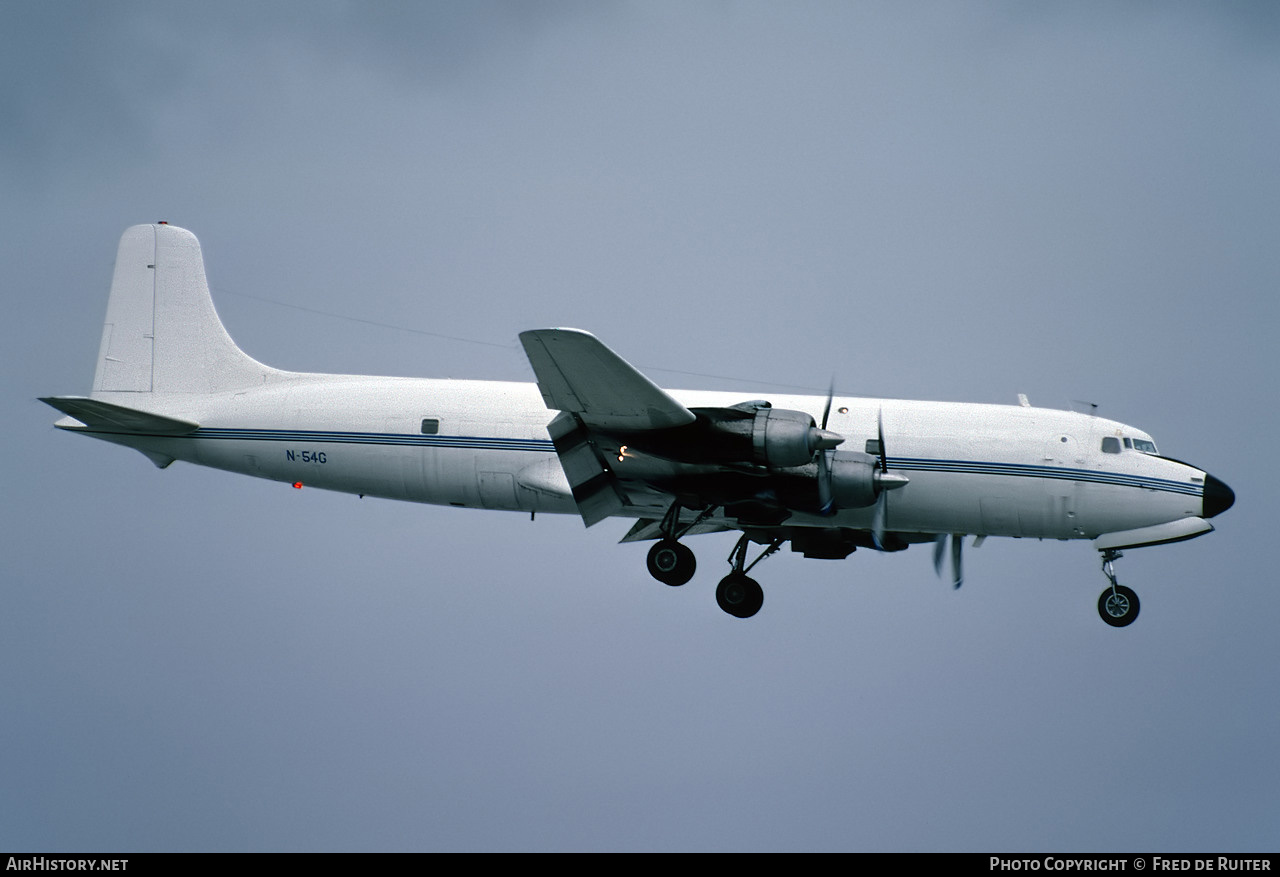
x: 430, y: 426
x: 1111, y: 445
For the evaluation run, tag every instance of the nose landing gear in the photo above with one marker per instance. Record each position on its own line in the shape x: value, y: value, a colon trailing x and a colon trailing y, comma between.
x: 1117, y: 605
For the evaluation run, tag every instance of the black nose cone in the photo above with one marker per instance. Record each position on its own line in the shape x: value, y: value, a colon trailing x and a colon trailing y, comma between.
x: 1217, y: 496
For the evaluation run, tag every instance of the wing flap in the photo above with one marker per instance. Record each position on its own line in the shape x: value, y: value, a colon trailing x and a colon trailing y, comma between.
x: 594, y: 486
x: 578, y: 374
x: 648, y: 529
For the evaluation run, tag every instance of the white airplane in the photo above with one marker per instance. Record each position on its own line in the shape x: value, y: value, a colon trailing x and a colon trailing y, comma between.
x: 171, y: 383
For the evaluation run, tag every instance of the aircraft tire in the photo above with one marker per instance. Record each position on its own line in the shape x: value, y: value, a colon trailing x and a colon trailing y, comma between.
x: 671, y: 563
x: 739, y: 595
x: 1119, y: 609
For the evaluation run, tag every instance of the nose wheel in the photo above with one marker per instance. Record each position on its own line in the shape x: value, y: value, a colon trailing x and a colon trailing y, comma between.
x: 1117, y: 605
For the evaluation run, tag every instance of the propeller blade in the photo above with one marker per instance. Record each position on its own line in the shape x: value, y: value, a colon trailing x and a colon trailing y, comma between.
x: 884, y: 458
x: 957, y: 571
x: 878, y: 522
x: 826, y: 505
x: 826, y: 411
x: 882, y: 487
x: 957, y: 559
x: 823, y: 441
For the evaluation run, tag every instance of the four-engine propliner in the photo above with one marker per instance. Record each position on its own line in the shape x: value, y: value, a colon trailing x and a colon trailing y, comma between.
x: 828, y: 475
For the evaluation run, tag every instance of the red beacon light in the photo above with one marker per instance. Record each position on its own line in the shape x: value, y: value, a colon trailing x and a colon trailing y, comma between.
x: 297, y: 485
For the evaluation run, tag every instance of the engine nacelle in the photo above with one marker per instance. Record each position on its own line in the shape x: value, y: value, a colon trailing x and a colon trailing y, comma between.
x: 782, y: 439
x: 853, y: 479
x: 752, y: 432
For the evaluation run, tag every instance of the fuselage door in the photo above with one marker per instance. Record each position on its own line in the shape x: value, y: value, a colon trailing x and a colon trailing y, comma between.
x: 1064, y: 450
x: 1062, y: 454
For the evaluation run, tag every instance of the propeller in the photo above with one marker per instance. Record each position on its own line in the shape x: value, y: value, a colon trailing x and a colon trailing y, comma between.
x: 826, y: 505
x: 825, y: 442
x: 885, y: 482
x: 957, y: 546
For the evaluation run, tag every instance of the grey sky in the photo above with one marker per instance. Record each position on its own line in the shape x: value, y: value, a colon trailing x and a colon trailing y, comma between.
x: 927, y: 200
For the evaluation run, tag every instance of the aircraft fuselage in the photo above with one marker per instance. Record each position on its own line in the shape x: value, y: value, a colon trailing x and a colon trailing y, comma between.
x: 998, y: 470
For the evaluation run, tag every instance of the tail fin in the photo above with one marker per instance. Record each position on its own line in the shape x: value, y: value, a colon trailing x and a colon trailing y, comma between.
x: 162, y: 334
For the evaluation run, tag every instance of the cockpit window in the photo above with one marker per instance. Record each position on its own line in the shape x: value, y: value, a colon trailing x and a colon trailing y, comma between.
x: 1135, y: 444
x: 1110, y: 445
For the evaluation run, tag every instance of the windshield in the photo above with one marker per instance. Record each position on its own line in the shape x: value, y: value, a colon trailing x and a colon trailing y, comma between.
x: 1147, y: 447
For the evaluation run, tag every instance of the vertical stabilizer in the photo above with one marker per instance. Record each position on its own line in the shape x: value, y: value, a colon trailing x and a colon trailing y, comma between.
x: 162, y: 334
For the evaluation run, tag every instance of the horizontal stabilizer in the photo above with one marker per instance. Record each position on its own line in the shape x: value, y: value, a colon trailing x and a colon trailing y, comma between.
x: 1161, y: 534
x: 578, y: 374
x: 99, y: 416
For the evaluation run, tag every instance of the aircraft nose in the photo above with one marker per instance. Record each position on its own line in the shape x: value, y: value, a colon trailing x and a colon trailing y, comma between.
x: 1217, y: 496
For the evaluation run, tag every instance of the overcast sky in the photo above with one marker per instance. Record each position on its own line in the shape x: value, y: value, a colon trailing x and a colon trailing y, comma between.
x: 959, y: 201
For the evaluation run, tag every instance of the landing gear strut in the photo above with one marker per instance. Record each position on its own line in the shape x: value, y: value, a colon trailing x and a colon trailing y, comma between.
x: 1117, y: 605
x: 739, y: 594
x: 670, y: 562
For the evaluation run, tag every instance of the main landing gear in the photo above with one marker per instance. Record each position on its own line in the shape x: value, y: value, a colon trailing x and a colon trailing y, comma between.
x: 739, y: 594
x: 1117, y: 605
x: 672, y: 563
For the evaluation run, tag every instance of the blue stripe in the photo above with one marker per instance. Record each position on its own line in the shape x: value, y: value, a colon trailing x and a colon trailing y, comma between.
x: 378, y: 438
x: 974, y: 467
x: 545, y: 446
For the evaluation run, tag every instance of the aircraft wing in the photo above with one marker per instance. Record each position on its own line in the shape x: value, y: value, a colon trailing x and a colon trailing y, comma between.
x: 596, y: 391
x: 627, y: 447
x: 580, y: 375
